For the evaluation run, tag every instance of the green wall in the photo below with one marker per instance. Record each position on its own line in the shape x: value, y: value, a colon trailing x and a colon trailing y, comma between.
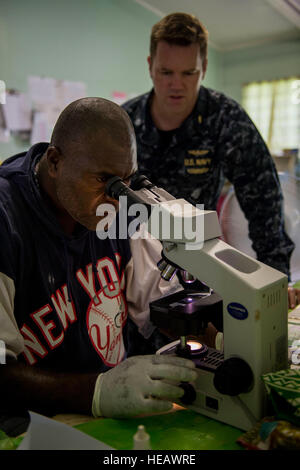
x: 264, y: 62
x: 105, y: 43
x: 94, y: 41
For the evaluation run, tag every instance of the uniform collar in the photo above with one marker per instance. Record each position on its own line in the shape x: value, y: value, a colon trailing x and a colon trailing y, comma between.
x: 149, y: 134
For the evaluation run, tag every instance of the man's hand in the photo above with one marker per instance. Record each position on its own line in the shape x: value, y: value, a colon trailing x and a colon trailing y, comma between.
x: 294, y: 297
x: 141, y: 384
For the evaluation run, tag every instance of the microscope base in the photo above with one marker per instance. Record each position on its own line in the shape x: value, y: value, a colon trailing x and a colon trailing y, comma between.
x: 231, y: 410
x: 224, y: 408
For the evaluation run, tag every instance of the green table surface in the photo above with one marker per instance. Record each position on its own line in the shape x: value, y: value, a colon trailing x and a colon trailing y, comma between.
x: 178, y: 430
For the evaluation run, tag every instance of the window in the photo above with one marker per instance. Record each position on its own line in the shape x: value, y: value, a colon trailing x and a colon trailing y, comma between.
x: 274, y: 107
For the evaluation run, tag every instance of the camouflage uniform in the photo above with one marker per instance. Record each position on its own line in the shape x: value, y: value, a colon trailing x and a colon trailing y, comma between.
x: 217, y: 141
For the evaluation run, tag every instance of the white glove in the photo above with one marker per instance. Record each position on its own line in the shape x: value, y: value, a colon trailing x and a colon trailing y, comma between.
x: 141, y: 384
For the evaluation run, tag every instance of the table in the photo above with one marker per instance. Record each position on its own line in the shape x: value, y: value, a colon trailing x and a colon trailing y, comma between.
x: 179, y: 430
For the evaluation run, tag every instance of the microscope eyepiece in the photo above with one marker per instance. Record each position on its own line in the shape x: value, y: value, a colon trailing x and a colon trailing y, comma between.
x: 141, y: 181
x: 115, y: 187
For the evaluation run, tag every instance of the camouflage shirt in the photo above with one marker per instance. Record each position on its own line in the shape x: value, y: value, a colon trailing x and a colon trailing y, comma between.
x: 218, y: 141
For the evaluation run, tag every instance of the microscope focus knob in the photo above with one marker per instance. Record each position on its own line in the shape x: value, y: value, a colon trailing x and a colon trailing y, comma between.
x: 189, y: 395
x: 233, y: 376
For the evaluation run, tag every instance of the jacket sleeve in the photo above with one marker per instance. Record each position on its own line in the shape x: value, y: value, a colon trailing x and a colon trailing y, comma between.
x: 144, y: 284
x: 10, y: 335
x: 250, y: 168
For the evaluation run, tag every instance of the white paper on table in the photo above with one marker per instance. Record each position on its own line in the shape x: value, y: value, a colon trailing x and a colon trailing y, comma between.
x: 17, y: 112
x: 47, y: 434
x: 42, y: 91
x: 45, y: 91
x: 49, y: 97
x: 71, y: 91
x: 4, y: 132
x: 40, y: 128
x: 2, y: 92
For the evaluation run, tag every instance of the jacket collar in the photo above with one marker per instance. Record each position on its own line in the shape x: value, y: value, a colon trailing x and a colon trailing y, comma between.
x: 148, y: 132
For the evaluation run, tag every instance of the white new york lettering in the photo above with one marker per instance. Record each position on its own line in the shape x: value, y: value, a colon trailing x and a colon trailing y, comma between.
x: 31, y: 343
x: 88, y: 283
x: 47, y: 327
x: 65, y: 309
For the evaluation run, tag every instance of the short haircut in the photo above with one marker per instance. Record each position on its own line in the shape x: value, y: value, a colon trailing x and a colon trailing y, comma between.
x: 81, y: 120
x: 180, y: 29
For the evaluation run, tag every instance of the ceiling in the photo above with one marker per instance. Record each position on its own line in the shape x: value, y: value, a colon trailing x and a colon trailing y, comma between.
x: 236, y: 24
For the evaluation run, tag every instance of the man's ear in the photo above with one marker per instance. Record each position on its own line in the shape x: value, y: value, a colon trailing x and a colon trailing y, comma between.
x: 204, y: 68
x: 53, y: 157
x: 149, y: 64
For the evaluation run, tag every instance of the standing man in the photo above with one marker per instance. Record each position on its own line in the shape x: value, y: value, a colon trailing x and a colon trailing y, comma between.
x: 190, y: 138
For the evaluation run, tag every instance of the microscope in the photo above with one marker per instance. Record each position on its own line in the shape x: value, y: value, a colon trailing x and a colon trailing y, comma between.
x: 243, y: 298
